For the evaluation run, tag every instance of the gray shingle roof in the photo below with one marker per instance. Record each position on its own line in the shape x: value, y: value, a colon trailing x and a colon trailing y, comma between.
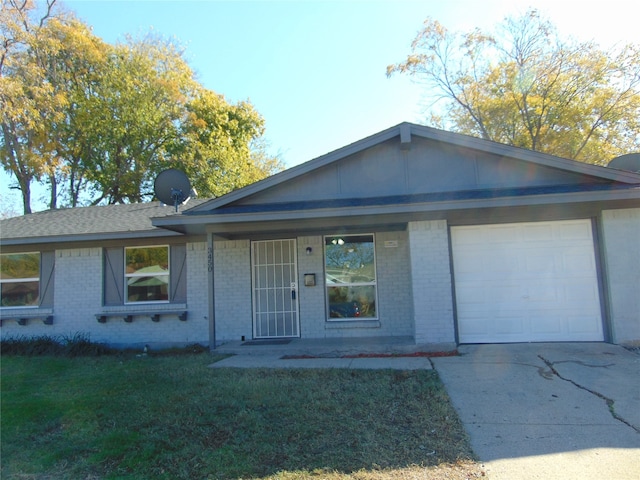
x: 88, y: 223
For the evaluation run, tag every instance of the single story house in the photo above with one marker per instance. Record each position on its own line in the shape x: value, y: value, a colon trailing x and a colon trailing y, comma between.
x: 412, y: 232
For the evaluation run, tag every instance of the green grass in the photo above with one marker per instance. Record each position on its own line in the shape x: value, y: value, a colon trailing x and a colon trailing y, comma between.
x: 174, y: 417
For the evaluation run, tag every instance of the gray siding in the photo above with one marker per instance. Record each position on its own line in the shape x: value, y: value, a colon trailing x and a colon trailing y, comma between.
x: 426, y: 167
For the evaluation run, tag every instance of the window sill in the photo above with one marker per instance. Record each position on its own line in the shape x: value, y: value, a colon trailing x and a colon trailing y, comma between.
x: 154, y: 312
x: 345, y: 324
x: 22, y: 315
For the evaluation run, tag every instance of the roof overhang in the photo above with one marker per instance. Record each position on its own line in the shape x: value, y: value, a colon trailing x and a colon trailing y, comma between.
x: 381, y: 214
x: 93, y: 237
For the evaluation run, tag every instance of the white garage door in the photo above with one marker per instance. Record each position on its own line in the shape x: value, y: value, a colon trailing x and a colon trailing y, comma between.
x: 526, y: 282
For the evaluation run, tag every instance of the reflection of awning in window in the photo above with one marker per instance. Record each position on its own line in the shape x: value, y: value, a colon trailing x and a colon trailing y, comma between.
x: 149, y: 280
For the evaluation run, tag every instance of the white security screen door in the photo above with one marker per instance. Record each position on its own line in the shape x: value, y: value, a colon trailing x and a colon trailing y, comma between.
x: 275, y: 289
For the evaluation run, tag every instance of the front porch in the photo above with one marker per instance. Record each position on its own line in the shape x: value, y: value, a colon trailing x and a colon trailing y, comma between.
x: 332, y: 347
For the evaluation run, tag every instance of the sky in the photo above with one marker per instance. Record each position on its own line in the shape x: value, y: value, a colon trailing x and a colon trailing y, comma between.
x: 316, y: 70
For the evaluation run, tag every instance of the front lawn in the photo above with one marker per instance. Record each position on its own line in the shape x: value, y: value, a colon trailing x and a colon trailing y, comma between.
x: 123, y: 416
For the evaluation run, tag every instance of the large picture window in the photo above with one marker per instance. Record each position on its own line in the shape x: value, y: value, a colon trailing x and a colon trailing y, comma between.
x: 20, y: 279
x: 147, y: 274
x: 350, y: 277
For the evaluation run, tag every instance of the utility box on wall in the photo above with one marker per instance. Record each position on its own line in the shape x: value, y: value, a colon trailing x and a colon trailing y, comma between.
x: 309, y: 279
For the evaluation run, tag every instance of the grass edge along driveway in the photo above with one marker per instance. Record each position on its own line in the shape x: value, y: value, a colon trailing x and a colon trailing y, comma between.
x: 123, y: 416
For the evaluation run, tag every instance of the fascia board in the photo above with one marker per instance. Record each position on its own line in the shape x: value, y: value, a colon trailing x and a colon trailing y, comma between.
x: 466, y: 204
x: 93, y: 237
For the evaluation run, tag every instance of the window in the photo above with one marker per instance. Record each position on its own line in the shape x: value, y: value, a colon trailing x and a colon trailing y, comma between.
x: 350, y: 277
x: 20, y: 279
x: 123, y: 266
x: 147, y: 274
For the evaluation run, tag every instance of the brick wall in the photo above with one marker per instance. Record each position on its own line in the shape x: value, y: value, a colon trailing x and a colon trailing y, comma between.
x: 232, y: 285
x: 394, y: 307
x: 621, y: 245
x: 78, y: 298
x: 311, y: 302
x: 431, y: 282
x: 234, y: 311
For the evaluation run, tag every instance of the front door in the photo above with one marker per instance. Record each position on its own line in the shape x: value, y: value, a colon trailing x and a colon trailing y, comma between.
x: 275, y: 289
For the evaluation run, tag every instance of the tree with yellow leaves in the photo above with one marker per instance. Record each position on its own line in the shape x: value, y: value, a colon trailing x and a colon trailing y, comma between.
x: 526, y: 86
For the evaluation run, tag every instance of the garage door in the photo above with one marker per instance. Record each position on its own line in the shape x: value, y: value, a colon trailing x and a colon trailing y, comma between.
x: 526, y: 282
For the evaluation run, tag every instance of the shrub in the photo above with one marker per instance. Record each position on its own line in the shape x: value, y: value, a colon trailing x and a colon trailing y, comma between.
x: 76, y: 345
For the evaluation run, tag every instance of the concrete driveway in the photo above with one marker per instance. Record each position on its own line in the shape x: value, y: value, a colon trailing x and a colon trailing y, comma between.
x: 569, y: 410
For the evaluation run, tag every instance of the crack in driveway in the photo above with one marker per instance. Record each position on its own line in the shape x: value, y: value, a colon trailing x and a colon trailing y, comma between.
x: 609, y: 401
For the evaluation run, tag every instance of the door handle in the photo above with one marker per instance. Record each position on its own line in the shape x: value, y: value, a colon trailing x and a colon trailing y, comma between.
x: 293, y: 291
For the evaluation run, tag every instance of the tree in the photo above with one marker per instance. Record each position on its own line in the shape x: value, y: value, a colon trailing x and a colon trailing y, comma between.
x: 27, y: 101
x: 98, y: 122
x: 135, y: 113
x: 526, y: 86
x: 222, y: 147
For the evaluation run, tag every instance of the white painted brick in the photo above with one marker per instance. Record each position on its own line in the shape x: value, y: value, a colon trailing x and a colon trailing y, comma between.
x: 621, y: 232
x: 232, y: 285
x: 78, y: 297
x: 431, y: 282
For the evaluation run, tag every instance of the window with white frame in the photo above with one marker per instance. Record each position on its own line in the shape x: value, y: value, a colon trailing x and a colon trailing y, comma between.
x: 350, y: 277
x: 146, y: 274
x: 20, y: 279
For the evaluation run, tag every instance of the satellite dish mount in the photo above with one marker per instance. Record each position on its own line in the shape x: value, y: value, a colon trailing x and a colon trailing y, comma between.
x: 170, y: 187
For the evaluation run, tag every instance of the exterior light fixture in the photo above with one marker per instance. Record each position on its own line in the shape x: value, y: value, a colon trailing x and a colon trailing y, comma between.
x: 309, y: 250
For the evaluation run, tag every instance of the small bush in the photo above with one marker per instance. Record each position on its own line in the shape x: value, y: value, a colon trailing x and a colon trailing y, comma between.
x: 76, y: 345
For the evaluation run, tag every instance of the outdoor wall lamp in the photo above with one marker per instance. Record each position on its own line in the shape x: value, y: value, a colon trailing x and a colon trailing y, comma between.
x: 309, y: 250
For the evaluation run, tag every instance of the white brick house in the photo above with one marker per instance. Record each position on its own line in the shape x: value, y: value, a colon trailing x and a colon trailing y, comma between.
x: 412, y: 232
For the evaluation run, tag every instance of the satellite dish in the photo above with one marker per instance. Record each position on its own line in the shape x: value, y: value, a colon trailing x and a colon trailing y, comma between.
x: 172, y: 187
x: 630, y: 162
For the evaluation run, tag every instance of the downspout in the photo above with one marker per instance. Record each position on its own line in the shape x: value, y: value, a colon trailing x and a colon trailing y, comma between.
x: 211, y: 292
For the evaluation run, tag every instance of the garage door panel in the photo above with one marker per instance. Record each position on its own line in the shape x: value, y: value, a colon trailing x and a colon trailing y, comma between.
x: 538, y: 261
x: 583, y: 324
x: 510, y: 325
x: 543, y: 293
x: 547, y: 326
x: 575, y: 231
x: 526, y: 282
x: 580, y: 291
x: 579, y: 263
x: 475, y: 326
x: 536, y: 234
x: 489, y: 296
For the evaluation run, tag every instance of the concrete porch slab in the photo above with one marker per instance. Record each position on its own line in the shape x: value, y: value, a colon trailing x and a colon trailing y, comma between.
x: 335, y: 347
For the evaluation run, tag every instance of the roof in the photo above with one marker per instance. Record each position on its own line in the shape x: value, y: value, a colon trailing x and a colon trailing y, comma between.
x: 123, y: 221
x: 251, y: 208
